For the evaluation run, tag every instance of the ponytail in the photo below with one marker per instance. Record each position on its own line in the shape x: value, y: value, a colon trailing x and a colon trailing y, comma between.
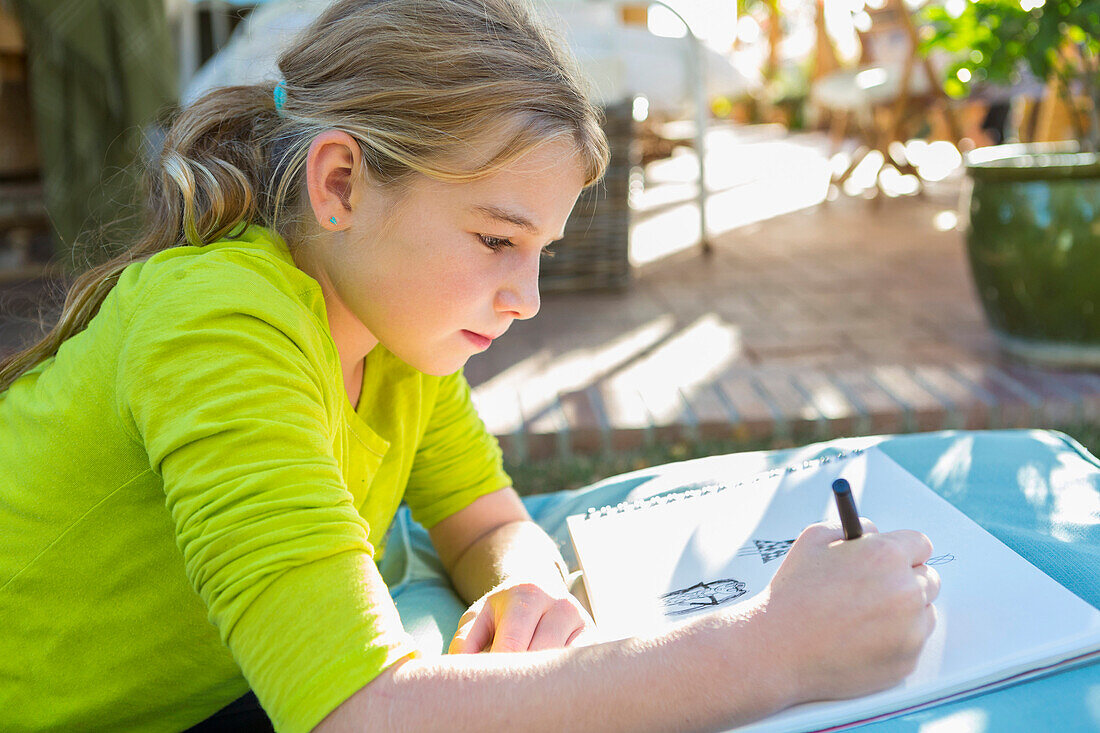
x: 416, y: 84
x: 203, y: 184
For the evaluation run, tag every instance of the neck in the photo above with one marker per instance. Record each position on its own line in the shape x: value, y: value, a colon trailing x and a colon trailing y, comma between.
x: 353, y: 340
x: 353, y: 382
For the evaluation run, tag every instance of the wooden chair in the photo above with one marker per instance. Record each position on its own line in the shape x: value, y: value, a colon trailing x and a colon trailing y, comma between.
x: 888, y: 95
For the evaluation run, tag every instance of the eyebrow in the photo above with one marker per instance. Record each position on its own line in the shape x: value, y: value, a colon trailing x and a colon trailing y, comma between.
x: 512, y: 217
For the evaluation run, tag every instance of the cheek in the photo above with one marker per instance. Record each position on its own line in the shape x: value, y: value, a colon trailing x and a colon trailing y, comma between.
x: 439, y: 292
x: 428, y: 274
x: 458, y: 289
x: 459, y: 274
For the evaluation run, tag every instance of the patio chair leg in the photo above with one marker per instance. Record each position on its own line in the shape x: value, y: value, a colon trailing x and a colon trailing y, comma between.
x: 861, y: 152
x: 838, y: 125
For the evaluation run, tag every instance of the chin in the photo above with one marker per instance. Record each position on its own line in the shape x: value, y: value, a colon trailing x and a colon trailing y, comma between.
x: 436, y: 367
x: 442, y: 372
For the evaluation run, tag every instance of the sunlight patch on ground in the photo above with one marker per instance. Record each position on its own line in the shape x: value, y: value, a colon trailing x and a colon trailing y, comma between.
x: 688, y: 359
x: 664, y: 234
x: 495, y: 400
x: 748, y: 180
x: 645, y: 360
x: 539, y: 378
x: 828, y: 400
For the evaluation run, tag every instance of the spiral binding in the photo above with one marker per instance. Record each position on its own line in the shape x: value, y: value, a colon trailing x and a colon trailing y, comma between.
x: 714, y: 488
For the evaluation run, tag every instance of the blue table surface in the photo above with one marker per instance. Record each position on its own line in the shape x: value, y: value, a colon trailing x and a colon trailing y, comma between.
x: 1036, y: 491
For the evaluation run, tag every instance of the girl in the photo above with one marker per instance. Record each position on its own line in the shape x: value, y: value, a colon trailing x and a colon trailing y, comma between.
x: 199, y: 463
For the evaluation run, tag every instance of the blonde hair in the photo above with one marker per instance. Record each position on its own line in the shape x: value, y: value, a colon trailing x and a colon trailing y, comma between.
x: 421, y: 85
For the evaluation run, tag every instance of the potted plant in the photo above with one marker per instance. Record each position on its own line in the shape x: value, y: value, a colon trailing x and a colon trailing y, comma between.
x: 1033, y: 211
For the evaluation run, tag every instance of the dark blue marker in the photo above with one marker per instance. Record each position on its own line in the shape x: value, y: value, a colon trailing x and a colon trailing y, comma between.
x: 846, y: 506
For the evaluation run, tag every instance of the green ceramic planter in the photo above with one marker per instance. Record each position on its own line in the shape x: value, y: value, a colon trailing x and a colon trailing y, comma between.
x: 1034, y: 243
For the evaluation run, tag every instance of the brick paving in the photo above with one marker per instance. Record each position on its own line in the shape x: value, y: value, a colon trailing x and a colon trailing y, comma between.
x: 847, y: 317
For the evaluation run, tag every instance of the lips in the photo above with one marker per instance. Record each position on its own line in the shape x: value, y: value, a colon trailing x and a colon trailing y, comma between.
x: 478, y: 340
x: 491, y: 337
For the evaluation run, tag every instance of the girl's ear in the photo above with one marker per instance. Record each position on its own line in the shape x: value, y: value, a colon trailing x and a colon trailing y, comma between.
x: 332, y: 164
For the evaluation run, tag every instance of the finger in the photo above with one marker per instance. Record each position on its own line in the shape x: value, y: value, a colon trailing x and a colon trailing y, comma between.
x: 458, y: 642
x: 915, y: 545
x: 929, y: 581
x: 561, y: 622
x: 471, y: 613
x: 828, y: 532
x: 465, y: 622
x: 516, y: 627
x: 473, y: 636
x: 822, y: 533
x: 584, y: 636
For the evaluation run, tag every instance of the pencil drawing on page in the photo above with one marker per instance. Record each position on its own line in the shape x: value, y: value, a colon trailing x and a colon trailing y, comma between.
x: 768, y: 550
x: 702, y: 596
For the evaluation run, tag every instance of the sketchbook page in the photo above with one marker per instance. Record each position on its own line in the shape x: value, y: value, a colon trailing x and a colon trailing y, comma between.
x: 672, y: 561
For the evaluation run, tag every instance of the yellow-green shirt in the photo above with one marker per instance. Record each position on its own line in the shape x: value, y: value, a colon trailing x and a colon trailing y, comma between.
x: 191, y: 507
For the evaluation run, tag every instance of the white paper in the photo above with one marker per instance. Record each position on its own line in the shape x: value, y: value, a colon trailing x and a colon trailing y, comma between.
x: 997, y: 615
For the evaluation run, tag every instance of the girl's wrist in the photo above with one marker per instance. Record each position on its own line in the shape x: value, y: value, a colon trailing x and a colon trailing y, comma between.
x: 781, y: 658
x: 754, y: 649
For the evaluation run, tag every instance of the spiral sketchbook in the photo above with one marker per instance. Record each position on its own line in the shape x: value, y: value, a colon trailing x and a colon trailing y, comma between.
x: 665, y: 560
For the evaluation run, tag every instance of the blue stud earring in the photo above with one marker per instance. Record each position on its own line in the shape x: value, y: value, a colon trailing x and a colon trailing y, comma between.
x: 332, y: 219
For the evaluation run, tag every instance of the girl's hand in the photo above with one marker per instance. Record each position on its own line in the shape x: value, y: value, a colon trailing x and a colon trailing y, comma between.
x: 522, y: 617
x: 849, y: 617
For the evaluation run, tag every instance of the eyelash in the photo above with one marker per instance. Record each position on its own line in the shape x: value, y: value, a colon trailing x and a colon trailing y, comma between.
x: 498, y: 243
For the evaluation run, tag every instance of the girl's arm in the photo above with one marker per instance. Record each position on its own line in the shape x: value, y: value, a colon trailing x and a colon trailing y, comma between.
x: 840, y: 618
x: 493, y: 540
x: 682, y: 681
x: 512, y: 572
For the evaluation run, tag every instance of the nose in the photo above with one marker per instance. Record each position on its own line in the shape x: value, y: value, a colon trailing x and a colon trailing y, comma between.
x: 519, y: 296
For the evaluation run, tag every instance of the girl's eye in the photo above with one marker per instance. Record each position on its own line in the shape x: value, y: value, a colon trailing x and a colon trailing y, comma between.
x: 498, y: 243
x: 495, y: 243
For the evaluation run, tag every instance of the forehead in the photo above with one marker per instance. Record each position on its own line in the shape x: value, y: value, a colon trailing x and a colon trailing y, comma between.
x: 555, y: 161
x: 541, y: 186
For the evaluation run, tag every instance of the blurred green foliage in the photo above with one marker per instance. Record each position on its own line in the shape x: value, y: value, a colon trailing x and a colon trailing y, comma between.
x: 991, y: 40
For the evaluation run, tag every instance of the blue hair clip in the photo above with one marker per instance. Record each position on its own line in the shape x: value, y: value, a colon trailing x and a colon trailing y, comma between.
x: 280, y: 98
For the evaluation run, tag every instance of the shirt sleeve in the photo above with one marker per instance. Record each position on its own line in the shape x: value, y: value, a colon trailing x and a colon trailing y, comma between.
x: 457, y: 461
x: 223, y: 377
